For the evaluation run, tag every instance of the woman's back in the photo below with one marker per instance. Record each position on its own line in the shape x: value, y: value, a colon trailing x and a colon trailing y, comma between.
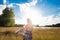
x: 28, y: 30
x: 28, y: 27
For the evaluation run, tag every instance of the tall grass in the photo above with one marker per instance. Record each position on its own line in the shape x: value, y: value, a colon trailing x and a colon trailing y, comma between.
x: 37, y: 34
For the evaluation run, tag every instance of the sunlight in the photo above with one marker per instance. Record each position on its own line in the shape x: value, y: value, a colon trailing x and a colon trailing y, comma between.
x: 33, y: 14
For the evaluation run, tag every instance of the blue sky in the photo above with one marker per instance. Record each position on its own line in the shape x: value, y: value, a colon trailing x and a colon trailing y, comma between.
x: 1, y: 1
x: 42, y: 12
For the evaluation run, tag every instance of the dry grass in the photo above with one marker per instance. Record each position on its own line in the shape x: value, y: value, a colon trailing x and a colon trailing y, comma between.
x: 38, y: 34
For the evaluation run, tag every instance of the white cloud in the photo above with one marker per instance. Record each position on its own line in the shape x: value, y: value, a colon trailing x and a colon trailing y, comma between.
x: 1, y: 8
x: 30, y: 11
x: 10, y: 5
x: 4, y: 1
x: 34, y: 2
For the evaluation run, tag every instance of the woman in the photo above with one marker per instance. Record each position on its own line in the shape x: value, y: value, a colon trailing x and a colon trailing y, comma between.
x: 26, y: 32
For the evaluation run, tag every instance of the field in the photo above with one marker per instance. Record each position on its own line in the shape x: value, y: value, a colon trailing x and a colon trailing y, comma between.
x: 8, y: 33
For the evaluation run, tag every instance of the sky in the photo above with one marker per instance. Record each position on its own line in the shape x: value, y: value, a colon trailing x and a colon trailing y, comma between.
x: 41, y: 12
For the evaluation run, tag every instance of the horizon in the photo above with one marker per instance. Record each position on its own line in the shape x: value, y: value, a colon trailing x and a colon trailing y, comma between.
x: 41, y: 12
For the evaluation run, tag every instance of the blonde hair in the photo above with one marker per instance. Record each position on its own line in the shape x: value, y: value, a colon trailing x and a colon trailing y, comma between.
x: 29, y: 21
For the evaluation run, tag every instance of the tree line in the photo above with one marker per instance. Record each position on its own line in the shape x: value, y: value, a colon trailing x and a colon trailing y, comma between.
x: 53, y: 25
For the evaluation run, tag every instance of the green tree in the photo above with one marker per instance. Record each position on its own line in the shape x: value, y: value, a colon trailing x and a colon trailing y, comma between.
x: 8, y: 17
x: 1, y: 20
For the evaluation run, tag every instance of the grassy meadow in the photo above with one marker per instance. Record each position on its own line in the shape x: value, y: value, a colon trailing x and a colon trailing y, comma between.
x: 8, y: 33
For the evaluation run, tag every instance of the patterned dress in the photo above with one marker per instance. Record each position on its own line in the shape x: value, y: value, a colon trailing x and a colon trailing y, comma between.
x: 26, y: 32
